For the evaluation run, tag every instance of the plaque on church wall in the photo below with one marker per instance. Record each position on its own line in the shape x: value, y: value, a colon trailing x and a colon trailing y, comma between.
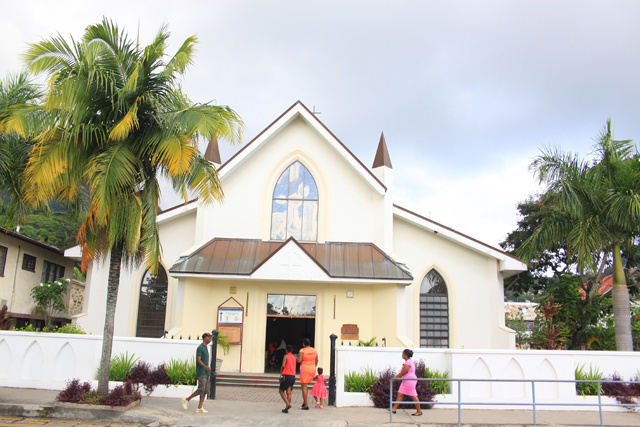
x: 350, y: 332
x: 233, y: 334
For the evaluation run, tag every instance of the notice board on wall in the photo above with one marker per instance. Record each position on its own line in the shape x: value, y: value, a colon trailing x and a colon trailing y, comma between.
x: 230, y: 319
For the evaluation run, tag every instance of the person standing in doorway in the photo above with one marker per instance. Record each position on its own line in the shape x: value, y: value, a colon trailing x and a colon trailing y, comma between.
x: 287, y: 378
x: 203, y: 374
x: 308, y: 359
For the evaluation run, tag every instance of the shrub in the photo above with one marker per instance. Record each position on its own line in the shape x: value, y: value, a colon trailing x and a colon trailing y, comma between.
x: 70, y: 328
x: 359, y: 382
x: 121, y: 366
x: 49, y: 297
x: 144, y: 373
x: 587, y: 389
x: 74, y: 392
x: 379, y: 391
x: 440, y: 387
x: 624, y: 393
x: 182, y: 372
x: 121, y: 395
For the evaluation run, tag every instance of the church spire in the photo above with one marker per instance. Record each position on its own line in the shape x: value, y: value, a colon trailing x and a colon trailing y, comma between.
x: 382, y: 155
x: 213, y: 152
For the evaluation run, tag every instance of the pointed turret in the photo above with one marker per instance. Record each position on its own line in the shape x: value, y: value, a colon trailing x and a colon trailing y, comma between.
x: 213, y: 152
x: 382, y: 155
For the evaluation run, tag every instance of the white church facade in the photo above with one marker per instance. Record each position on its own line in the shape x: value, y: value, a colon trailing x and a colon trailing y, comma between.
x: 307, y: 243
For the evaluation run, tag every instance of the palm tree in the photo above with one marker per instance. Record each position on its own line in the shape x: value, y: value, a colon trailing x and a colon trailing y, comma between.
x: 115, y: 119
x: 597, y: 210
x: 14, y: 149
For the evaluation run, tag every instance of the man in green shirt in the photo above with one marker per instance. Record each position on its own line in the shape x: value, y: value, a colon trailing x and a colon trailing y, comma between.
x: 203, y: 373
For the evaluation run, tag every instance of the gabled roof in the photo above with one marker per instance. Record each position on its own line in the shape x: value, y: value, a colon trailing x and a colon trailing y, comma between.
x: 32, y: 241
x: 300, y: 110
x: 243, y: 257
x: 509, y: 265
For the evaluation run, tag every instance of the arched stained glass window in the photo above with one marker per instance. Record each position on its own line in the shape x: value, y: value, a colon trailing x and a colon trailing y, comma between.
x: 153, y: 304
x: 434, y: 311
x: 295, y: 205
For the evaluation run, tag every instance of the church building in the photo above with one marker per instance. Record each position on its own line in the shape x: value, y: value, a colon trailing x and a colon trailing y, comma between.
x: 309, y: 242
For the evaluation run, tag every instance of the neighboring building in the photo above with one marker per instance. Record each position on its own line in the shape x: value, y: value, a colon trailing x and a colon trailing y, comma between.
x: 25, y: 263
x: 309, y: 243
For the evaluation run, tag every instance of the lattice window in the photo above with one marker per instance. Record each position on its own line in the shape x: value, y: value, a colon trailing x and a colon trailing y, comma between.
x: 294, y: 212
x: 434, y: 311
x: 152, y: 306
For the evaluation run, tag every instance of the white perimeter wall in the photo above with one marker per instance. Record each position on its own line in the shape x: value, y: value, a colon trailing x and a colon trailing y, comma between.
x: 492, y: 364
x: 48, y: 361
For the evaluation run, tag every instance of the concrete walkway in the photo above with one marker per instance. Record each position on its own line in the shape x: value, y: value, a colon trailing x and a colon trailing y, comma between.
x: 244, y: 406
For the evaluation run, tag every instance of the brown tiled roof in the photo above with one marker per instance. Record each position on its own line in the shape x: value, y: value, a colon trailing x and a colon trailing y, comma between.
x: 338, y: 260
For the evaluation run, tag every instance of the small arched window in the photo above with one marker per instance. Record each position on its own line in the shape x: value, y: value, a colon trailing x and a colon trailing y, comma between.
x: 294, y: 210
x: 434, y: 311
x: 152, y: 306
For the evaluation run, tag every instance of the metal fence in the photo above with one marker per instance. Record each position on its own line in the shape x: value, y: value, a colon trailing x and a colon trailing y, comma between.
x: 533, y: 402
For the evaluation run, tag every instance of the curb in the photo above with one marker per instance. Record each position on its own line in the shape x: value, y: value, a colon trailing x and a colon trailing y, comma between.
x: 81, y: 412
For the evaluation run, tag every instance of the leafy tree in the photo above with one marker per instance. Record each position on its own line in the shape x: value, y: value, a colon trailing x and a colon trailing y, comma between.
x: 597, y: 210
x: 115, y: 119
x: 49, y: 297
x: 14, y: 147
x: 552, y: 260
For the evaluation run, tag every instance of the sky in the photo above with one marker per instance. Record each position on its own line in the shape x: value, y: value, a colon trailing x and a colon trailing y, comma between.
x: 466, y: 92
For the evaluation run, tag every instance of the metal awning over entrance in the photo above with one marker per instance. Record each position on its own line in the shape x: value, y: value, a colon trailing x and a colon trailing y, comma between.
x: 242, y: 257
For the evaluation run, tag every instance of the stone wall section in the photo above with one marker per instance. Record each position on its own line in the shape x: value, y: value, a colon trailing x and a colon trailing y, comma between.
x: 76, y: 297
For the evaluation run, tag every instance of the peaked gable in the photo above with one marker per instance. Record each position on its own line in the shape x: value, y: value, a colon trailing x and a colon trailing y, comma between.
x: 295, y: 111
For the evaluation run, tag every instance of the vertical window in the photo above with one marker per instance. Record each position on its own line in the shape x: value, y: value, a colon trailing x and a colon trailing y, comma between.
x: 434, y: 311
x: 294, y: 210
x: 3, y: 259
x: 153, y: 304
x: 51, y: 272
x: 29, y: 262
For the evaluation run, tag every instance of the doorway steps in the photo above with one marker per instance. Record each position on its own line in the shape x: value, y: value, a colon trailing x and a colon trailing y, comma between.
x: 236, y: 379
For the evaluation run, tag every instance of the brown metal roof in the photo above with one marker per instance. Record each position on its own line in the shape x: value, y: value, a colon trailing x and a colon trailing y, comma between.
x: 338, y: 260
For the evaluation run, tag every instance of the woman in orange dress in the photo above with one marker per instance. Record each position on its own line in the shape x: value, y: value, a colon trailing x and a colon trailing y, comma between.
x: 308, y: 359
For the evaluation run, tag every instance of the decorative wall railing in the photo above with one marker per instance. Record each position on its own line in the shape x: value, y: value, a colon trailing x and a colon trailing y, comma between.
x: 533, y: 404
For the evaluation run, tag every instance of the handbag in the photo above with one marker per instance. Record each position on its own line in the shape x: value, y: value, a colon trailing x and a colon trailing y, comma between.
x: 281, y: 379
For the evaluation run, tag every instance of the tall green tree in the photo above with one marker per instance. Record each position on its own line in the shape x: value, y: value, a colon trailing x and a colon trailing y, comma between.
x: 596, y: 212
x: 14, y: 147
x: 115, y: 120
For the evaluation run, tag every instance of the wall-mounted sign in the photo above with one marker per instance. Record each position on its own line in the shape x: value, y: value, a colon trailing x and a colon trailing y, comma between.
x: 230, y: 316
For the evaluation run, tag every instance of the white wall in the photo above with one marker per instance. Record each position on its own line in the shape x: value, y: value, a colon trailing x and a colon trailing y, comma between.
x: 48, y: 361
x: 473, y: 282
x: 493, y: 364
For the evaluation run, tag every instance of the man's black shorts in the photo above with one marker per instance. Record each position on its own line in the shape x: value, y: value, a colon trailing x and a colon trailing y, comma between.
x: 288, y: 382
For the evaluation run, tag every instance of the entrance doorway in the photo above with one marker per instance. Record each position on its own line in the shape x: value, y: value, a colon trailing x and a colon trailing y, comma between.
x: 290, y: 319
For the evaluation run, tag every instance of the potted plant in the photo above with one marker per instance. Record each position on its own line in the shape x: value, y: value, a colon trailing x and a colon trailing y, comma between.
x: 226, y: 347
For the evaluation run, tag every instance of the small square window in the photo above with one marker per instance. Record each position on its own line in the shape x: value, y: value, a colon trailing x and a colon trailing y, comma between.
x: 29, y: 262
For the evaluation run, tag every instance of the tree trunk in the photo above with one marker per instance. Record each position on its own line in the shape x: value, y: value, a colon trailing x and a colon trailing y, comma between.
x: 621, y: 306
x: 115, y: 261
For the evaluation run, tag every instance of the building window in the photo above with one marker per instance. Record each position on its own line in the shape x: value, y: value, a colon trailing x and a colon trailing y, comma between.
x: 51, y: 272
x: 3, y: 259
x: 152, y: 306
x: 434, y: 311
x: 29, y: 262
x: 295, y: 205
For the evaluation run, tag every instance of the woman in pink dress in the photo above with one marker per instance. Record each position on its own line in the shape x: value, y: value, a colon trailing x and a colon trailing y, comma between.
x: 408, y: 387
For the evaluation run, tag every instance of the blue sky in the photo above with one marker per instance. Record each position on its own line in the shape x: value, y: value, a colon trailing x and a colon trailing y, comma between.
x: 466, y: 92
